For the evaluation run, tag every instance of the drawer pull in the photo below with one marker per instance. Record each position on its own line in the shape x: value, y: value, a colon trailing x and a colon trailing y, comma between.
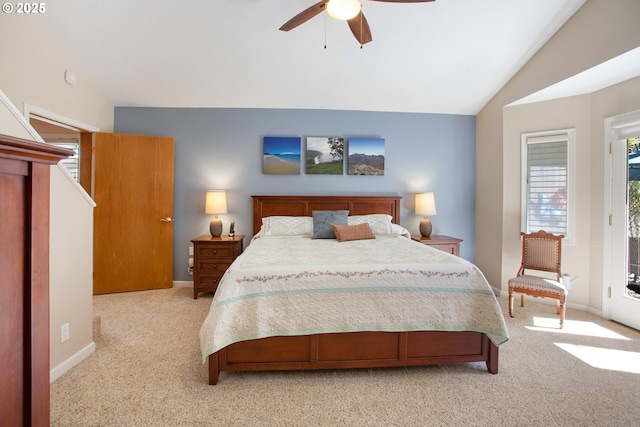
x: 215, y: 251
x: 215, y: 266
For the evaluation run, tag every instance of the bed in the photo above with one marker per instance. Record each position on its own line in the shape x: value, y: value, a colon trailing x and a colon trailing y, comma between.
x: 290, y: 302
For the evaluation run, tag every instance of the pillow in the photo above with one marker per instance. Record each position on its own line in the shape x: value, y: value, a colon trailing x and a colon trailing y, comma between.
x: 380, y: 223
x: 400, y: 230
x: 287, y: 225
x: 345, y: 233
x: 322, y: 221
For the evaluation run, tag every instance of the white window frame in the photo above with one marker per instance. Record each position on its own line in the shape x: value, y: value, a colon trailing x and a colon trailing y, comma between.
x: 72, y: 164
x: 562, y: 135
x: 71, y: 142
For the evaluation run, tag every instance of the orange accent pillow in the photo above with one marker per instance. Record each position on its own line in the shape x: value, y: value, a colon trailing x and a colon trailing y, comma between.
x: 345, y: 233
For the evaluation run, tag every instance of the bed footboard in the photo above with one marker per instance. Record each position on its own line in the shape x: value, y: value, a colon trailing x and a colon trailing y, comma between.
x: 354, y: 350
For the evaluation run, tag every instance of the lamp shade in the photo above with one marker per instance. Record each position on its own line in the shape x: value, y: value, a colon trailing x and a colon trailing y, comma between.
x: 216, y: 202
x: 343, y: 10
x: 425, y: 204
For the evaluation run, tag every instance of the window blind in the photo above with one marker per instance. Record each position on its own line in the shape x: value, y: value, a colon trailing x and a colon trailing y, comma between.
x: 547, y: 171
x: 72, y: 164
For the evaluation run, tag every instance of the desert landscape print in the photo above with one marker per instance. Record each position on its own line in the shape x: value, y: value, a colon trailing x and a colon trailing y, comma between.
x: 325, y: 155
x: 366, y: 156
x: 281, y: 155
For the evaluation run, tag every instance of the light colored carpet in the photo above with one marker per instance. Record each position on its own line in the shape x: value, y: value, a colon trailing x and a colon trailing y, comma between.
x: 147, y: 371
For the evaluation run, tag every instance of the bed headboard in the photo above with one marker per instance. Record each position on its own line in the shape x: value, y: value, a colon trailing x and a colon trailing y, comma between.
x: 264, y: 206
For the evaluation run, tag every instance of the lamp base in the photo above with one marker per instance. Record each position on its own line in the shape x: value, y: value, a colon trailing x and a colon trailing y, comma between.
x: 215, y: 227
x: 425, y: 227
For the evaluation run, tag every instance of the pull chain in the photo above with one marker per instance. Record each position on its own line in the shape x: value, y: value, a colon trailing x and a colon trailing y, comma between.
x: 325, y: 29
x: 361, y: 19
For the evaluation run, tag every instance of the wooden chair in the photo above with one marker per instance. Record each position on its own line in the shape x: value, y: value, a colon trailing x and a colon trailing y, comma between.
x: 540, y: 251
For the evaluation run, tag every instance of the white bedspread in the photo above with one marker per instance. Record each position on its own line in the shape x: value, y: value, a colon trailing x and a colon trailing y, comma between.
x: 298, y: 286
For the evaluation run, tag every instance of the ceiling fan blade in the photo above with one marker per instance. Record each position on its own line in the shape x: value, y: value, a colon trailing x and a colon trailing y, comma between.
x: 360, y: 28
x: 304, y: 16
x: 404, y: 1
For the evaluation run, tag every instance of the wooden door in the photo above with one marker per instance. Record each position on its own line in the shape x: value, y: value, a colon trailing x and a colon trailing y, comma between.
x: 133, y: 228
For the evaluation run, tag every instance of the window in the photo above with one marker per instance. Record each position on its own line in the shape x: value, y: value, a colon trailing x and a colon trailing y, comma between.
x: 547, y: 184
x: 72, y: 164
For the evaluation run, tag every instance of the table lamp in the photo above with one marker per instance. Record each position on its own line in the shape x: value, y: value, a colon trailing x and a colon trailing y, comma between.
x: 425, y: 205
x: 216, y: 203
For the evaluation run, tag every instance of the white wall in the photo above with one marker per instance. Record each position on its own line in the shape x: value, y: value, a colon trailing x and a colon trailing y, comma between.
x: 599, y: 31
x: 33, y: 70
x: 583, y: 260
x: 70, y: 273
x: 566, y: 113
x: 32, y: 73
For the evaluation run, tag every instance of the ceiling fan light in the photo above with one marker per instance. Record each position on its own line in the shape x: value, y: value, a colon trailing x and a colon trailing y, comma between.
x: 343, y: 10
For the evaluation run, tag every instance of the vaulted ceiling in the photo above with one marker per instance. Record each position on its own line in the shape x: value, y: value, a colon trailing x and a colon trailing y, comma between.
x: 447, y: 56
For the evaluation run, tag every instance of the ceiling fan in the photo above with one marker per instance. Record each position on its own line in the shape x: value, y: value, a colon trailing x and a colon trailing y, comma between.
x: 345, y: 10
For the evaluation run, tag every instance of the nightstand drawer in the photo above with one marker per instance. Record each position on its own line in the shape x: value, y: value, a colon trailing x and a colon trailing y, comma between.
x: 446, y: 244
x: 214, y: 251
x: 448, y: 248
x: 212, y: 266
x: 209, y: 281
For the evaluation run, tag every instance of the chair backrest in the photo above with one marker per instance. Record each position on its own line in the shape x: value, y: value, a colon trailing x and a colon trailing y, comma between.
x: 541, y: 251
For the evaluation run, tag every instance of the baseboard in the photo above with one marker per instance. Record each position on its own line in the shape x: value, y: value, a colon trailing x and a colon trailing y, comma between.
x: 598, y: 313
x: 65, y: 366
x: 182, y: 284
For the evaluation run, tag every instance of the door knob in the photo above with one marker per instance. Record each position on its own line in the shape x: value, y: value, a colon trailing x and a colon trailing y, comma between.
x: 167, y: 219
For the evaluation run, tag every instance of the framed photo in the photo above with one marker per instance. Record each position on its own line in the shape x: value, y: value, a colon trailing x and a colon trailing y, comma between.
x: 281, y: 155
x: 325, y: 155
x: 366, y: 156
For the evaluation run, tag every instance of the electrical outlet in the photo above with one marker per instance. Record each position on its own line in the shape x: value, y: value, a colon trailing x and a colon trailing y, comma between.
x: 64, y: 332
x: 190, y: 250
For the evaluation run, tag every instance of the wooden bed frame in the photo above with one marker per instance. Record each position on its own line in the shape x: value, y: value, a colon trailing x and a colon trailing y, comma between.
x: 354, y: 349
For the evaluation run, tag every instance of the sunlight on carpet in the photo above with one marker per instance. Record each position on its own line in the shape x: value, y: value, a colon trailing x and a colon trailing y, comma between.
x: 574, y: 327
x: 605, y: 358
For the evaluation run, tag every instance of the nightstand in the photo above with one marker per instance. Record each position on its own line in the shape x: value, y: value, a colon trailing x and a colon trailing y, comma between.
x: 211, y: 258
x: 444, y: 243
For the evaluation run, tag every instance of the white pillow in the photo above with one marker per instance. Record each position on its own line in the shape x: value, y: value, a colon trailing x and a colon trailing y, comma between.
x: 287, y: 225
x: 400, y: 230
x: 379, y: 223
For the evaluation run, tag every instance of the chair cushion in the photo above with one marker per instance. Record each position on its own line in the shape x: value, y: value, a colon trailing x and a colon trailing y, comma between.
x: 537, y: 283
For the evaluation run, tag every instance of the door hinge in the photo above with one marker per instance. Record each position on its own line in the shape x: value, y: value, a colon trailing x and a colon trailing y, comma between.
x: 610, y: 220
x: 609, y: 292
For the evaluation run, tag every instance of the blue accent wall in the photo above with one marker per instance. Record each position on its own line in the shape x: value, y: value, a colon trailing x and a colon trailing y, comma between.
x: 221, y: 148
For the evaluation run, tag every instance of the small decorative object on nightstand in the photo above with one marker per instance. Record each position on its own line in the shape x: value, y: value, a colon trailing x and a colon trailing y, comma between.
x: 211, y: 258
x: 232, y: 229
x: 425, y: 205
x: 444, y: 243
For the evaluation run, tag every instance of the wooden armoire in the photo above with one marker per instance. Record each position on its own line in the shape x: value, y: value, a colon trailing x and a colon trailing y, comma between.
x: 24, y: 280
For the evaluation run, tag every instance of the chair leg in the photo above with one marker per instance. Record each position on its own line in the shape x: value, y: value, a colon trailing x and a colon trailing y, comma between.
x: 510, y: 302
x: 521, y: 300
x: 557, y: 306
x: 563, y: 310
